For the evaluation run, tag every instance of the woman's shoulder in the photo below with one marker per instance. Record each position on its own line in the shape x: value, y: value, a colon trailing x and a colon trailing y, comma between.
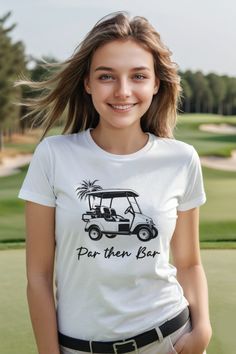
x: 176, y: 147
x: 56, y: 141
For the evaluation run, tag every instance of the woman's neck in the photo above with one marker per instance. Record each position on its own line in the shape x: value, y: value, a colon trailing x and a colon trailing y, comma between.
x: 119, y: 141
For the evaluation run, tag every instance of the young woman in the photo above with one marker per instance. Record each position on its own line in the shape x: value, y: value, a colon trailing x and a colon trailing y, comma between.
x: 107, y: 201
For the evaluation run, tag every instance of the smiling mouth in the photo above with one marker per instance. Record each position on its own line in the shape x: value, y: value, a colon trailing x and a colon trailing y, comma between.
x: 122, y: 107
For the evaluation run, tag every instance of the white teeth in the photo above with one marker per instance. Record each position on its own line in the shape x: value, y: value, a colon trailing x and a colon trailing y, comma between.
x: 123, y: 107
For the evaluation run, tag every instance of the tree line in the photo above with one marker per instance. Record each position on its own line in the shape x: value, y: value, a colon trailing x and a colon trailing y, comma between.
x: 12, y: 61
x: 209, y: 93
x: 201, y: 93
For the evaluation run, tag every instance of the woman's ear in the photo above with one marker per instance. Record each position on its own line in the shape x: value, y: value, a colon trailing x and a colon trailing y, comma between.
x: 86, y: 85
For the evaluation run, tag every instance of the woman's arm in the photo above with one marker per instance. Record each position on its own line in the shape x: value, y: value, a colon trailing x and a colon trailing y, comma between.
x: 40, y: 250
x: 190, y: 274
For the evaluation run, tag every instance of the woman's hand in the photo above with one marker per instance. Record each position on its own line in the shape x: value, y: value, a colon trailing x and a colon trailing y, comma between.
x: 194, y: 342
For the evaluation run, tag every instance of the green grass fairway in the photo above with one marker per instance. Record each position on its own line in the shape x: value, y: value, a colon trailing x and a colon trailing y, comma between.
x: 11, y: 209
x: 16, y: 335
x: 217, y: 216
x: 220, y: 268
x: 206, y: 143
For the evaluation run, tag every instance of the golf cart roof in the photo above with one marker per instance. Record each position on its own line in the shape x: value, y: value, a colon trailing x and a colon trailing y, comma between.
x: 113, y: 193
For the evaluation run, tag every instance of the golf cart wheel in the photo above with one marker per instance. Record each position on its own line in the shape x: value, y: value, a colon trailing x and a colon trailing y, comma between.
x: 110, y: 235
x: 95, y: 233
x: 154, y: 232
x: 145, y: 233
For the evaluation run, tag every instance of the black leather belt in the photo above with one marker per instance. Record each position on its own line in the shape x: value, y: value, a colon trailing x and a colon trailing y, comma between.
x: 126, y: 345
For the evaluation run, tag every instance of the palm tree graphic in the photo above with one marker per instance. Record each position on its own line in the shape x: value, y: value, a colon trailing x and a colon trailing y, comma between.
x: 86, y: 187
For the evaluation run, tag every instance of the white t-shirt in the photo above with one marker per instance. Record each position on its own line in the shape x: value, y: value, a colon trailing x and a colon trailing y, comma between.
x: 115, y: 216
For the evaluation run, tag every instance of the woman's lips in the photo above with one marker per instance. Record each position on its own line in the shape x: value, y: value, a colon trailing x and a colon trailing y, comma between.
x: 122, y: 107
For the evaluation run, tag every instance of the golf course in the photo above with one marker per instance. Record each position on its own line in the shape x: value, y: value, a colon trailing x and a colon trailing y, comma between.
x: 217, y: 237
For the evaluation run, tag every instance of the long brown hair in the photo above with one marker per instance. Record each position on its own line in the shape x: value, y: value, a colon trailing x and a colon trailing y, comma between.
x: 64, y: 89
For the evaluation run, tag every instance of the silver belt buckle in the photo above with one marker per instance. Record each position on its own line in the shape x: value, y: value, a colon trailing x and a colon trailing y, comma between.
x: 117, y: 344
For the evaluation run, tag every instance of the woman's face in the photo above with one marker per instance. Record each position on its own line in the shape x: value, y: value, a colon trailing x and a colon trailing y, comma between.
x: 122, y: 83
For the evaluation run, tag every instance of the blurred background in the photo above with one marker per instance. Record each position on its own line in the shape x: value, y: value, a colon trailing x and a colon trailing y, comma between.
x: 202, y: 37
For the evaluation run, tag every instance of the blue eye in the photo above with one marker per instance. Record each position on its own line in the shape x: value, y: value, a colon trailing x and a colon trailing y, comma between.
x: 105, y: 77
x: 140, y: 76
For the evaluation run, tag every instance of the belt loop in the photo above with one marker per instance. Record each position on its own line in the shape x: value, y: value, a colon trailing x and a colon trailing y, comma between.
x: 91, y: 346
x: 159, y: 333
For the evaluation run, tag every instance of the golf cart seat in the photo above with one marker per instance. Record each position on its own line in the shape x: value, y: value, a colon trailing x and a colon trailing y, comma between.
x: 117, y: 217
x: 96, y: 211
x: 107, y: 214
x: 113, y: 212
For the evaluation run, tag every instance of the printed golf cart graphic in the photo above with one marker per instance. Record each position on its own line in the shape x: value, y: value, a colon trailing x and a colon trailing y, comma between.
x: 103, y: 218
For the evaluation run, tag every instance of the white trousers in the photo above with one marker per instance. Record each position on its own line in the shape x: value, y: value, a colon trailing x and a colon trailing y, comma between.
x: 163, y: 346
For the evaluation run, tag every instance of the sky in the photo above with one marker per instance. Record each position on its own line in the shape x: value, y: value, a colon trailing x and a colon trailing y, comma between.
x: 201, y: 34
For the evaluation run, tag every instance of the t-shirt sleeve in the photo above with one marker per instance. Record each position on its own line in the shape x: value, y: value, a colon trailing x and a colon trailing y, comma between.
x: 38, y: 184
x: 194, y: 193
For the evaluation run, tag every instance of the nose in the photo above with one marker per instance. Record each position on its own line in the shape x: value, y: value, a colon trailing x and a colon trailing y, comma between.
x: 123, y: 88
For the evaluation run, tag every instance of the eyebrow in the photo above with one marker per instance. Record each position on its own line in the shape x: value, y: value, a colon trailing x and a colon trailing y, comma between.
x: 106, y: 68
